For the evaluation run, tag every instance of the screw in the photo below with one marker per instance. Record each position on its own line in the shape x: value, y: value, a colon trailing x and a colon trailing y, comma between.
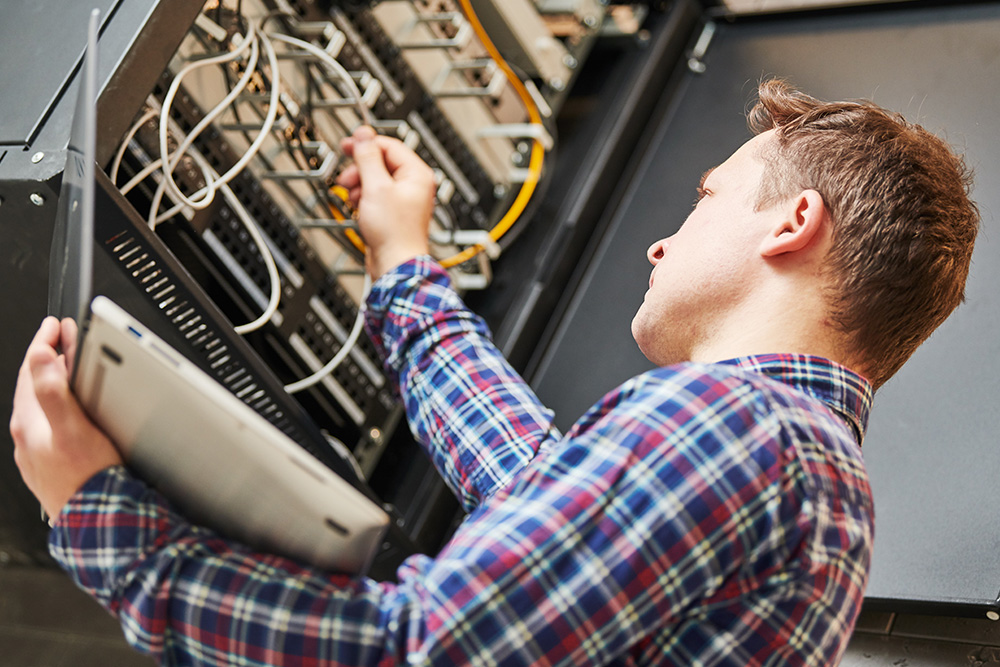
x: 517, y: 158
x: 37, y: 199
x: 993, y: 616
x: 37, y: 157
x: 375, y: 433
x: 569, y: 61
x: 590, y: 21
x: 557, y: 84
x: 696, y: 66
x: 499, y: 190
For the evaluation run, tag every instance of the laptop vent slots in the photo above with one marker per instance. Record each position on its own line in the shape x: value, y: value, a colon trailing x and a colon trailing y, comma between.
x: 204, y: 346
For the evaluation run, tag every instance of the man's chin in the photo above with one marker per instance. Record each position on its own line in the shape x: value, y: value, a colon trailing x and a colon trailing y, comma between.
x: 636, y: 329
x: 639, y: 335
x: 653, y: 348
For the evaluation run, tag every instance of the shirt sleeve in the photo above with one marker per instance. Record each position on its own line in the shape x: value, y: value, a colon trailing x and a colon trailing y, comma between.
x: 477, y: 418
x: 188, y: 597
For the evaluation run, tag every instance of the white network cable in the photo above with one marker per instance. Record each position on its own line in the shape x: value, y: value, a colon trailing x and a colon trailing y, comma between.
x: 343, y: 74
x: 366, y: 116
x: 214, y: 182
x: 345, y: 349
x: 169, y: 162
x: 249, y: 42
x: 252, y: 150
x: 120, y: 155
x: 272, y: 268
x: 251, y: 226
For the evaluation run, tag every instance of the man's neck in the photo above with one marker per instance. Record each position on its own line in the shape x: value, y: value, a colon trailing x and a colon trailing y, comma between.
x: 778, y: 321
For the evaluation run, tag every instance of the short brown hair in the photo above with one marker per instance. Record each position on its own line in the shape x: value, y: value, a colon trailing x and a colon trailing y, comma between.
x: 903, y: 223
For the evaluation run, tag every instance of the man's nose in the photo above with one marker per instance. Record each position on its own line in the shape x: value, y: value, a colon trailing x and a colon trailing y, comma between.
x: 655, y: 252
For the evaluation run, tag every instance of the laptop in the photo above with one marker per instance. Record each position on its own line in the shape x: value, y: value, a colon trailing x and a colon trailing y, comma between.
x: 218, y: 461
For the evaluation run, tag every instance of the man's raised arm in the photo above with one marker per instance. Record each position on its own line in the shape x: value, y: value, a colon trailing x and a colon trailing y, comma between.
x: 478, y: 419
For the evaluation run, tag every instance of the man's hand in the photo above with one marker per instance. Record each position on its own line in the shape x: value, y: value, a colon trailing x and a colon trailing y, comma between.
x: 393, y: 191
x: 56, y: 446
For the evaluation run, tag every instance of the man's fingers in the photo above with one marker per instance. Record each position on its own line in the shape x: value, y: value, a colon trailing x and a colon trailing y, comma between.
x: 67, y: 340
x: 349, y: 177
x: 48, y: 333
x: 51, y: 384
x: 402, y: 162
x: 28, y: 422
x: 368, y: 157
x: 376, y: 156
x: 43, y: 344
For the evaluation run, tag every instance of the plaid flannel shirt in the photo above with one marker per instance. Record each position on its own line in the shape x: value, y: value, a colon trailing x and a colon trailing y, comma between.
x: 697, y: 515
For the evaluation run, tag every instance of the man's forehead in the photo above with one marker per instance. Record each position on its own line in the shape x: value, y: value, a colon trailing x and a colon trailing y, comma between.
x: 751, y: 149
x: 744, y: 156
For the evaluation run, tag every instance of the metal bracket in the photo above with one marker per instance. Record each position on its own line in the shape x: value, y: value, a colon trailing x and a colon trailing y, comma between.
x: 467, y: 237
x: 335, y: 39
x: 497, y: 79
x: 695, y: 62
x: 370, y: 87
x: 518, y: 131
x: 463, y: 32
x: 399, y: 129
x: 321, y: 173
x: 326, y: 223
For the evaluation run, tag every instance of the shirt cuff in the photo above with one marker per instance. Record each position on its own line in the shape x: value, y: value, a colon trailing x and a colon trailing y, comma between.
x: 104, y: 527
x: 400, y: 286
x: 389, y: 283
x: 98, y: 482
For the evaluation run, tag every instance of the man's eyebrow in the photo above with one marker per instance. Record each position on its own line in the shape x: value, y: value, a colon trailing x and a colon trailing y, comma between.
x: 704, y: 177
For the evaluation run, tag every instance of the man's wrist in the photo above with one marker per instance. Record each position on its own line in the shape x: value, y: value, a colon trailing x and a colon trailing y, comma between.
x: 96, y: 480
x: 386, y: 259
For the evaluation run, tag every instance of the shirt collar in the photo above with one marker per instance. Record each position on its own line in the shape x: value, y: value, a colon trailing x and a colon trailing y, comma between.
x: 844, y: 391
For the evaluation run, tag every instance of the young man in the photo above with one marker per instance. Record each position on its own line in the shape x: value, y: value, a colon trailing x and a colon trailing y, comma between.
x: 712, y: 511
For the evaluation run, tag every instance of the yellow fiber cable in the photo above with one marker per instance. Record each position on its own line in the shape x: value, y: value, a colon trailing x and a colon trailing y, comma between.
x: 534, y: 163
x: 537, y: 150
x: 341, y: 192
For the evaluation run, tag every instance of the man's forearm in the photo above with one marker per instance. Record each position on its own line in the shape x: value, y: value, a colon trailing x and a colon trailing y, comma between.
x: 479, y: 419
x: 188, y: 596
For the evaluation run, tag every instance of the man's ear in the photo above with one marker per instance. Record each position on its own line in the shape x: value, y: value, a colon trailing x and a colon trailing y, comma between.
x: 801, y: 223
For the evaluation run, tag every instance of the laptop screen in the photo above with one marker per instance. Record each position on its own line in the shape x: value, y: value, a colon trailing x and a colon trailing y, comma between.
x: 72, y: 253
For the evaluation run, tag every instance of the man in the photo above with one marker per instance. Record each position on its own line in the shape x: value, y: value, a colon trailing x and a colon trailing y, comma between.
x: 713, y: 511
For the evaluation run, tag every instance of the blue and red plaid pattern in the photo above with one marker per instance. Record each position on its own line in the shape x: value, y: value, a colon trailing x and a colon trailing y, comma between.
x: 699, y: 514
